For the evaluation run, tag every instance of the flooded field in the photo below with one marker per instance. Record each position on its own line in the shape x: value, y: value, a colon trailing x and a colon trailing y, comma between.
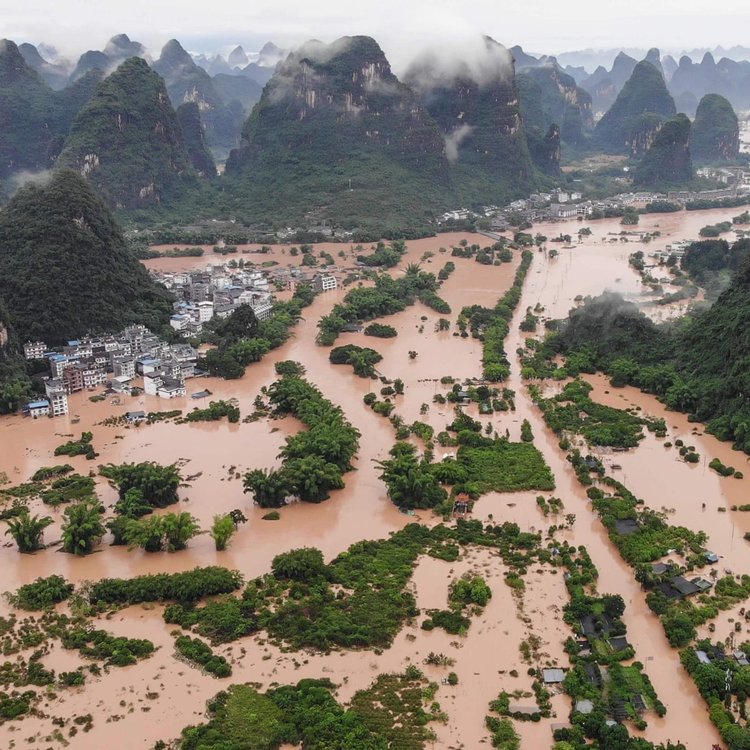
x: 216, y: 455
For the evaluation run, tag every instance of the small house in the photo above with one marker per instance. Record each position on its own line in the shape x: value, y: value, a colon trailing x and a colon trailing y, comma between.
x: 584, y: 706
x: 553, y: 676
x: 134, y: 417
x: 36, y: 409
x: 619, y: 643
x: 702, y: 657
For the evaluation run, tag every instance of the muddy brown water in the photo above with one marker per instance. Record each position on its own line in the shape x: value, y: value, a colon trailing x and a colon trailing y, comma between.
x: 124, y: 717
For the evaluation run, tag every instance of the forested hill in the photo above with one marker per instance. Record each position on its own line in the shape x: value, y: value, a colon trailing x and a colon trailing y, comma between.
x: 715, y: 138
x: 65, y: 270
x: 698, y: 365
x: 34, y: 119
x: 475, y: 105
x: 667, y: 164
x: 127, y: 140
x: 337, y: 133
x: 644, y: 103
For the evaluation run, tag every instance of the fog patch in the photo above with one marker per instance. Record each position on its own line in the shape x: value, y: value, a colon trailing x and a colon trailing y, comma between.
x: 26, y: 177
x: 454, y: 140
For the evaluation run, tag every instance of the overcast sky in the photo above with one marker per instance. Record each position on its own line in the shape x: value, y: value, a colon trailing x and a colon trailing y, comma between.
x: 549, y: 26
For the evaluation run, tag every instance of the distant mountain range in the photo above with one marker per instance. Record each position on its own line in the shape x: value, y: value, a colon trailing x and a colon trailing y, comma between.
x: 591, y: 59
x: 335, y: 135
x: 225, y: 89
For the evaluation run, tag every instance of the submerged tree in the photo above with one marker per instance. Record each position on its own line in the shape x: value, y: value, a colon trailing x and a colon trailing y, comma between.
x: 170, y: 532
x: 222, y: 530
x: 83, y: 527
x: 27, y: 531
x: 270, y: 489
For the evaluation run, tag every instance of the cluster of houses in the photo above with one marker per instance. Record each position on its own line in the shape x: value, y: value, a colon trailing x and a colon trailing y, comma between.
x: 116, y: 360
x: 677, y: 586
x: 112, y: 360
x: 558, y: 205
x: 217, y: 290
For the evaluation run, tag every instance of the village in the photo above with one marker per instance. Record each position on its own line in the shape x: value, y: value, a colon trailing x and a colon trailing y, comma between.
x: 566, y: 204
x: 117, y: 360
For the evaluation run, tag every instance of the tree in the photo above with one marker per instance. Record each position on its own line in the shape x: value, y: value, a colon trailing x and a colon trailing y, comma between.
x: 14, y: 394
x: 222, y: 530
x: 304, y: 564
x: 179, y: 528
x: 170, y: 532
x: 270, y: 488
x: 146, y: 533
x: 410, y: 483
x: 27, y: 531
x: 527, y: 436
x: 132, y: 504
x: 157, y: 484
x: 83, y: 528
x: 312, y: 478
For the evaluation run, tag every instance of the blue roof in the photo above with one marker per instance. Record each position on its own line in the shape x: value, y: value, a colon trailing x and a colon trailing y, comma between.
x: 38, y: 404
x: 56, y: 357
x: 74, y: 342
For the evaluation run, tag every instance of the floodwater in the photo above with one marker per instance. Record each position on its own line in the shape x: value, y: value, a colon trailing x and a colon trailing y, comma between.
x: 215, y: 455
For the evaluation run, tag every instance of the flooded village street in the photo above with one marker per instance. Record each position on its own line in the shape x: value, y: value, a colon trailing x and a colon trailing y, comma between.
x: 214, y: 457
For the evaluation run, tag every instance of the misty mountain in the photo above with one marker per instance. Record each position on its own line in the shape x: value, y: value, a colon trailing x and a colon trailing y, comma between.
x: 474, y: 102
x: 117, y: 49
x: 639, y: 111
x: 54, y: 74
x: 261, y: 74
x: 45, y: 231
x: 668, y: 65
x: 591, y: 59
x: 237, y: 58
x: 334, y: 115
x: 188, y: 82
x: 245, y: 91
x: 34, y: 119
x: 126, y: 140
x: 194, y: 138
x: 604, y: 85
x: 667, y: 162
x: 88, y: 61
x: 729, y: 78
x: 715, y: 138
x: 26, y: 113
x: 214, y: 65
x: 550, y: 96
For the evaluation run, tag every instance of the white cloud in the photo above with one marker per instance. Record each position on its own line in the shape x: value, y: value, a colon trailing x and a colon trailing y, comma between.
x: 401, y: 27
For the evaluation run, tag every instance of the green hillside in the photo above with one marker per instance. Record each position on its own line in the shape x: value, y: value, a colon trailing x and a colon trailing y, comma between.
x: 64, y: 231
x: 127, y: 141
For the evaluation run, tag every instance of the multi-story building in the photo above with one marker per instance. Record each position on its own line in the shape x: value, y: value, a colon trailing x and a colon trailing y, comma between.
x: 205, y: 311
x: 325, y: 282
x: 58, y: 398
x: 34, y: 349
x: 123, y: 366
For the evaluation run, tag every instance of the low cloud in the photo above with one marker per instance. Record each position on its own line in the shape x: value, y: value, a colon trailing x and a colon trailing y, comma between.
x: 454, y: 140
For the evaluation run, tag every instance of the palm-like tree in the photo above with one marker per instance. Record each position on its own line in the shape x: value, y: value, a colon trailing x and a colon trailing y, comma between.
x: 270, y: 488
x: 83, y: 527
x: 313, y: 477
x: 222, y: 530
x: 179, y: 529
x: 27, y: 531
